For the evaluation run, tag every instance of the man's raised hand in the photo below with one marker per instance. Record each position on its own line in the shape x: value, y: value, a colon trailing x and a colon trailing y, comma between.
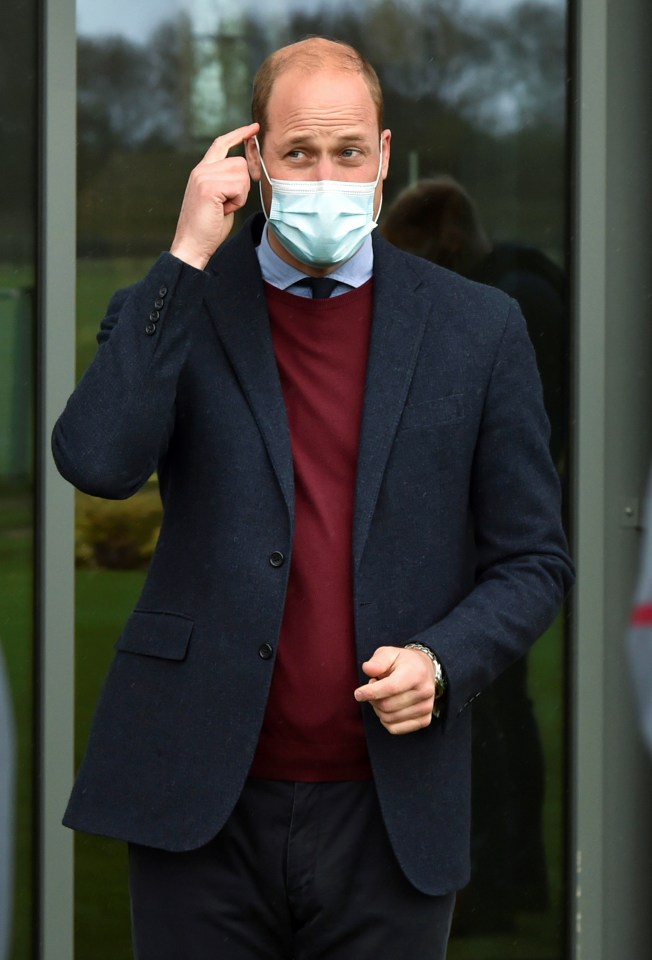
x: 217, y: 187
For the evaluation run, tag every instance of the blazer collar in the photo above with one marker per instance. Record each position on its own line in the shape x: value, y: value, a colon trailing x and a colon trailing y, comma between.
x: 400, y: 314
x: 235, y: 296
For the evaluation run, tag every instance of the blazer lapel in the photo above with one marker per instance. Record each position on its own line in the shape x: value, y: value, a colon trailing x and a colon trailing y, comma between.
x: 235, y: 298
x: 236, y: 301
x: 399, y: 320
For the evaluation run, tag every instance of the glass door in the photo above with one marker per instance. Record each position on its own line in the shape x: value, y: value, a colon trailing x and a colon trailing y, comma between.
x: 475, y: 97
x: 18, y: 196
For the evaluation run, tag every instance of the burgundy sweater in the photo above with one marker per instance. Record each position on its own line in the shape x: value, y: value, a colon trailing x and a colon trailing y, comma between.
x: 313, y: 728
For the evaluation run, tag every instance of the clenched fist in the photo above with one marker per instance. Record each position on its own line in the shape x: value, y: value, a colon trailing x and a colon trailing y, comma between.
x: 401, y: 689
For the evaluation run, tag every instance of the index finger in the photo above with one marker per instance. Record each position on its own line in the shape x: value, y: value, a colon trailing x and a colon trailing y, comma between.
x: 374, y: 690
x: 220, y: 147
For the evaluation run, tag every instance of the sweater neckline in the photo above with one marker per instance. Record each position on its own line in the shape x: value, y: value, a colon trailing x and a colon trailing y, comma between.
x: 327, y: 305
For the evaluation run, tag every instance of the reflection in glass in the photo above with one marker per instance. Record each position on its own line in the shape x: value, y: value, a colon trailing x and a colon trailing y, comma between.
x: 18, y: 117
x: 473, y: 90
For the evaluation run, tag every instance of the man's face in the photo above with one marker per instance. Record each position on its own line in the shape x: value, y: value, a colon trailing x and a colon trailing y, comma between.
x: 320, y: 126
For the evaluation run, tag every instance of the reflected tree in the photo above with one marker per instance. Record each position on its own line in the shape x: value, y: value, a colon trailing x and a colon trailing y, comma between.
x: 491, y: 84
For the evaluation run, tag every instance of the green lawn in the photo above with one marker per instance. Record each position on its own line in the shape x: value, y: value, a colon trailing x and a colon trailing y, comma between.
x: 97, y: 280
x: 104, y: 599
x: 538, y: 935
x: 16, y: 637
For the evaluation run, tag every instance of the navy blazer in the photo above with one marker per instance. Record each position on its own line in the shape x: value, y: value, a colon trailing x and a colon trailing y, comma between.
x: 457, y: 539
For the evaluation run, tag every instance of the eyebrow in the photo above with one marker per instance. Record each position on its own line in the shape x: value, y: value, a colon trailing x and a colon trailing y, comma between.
x: 346, y: 137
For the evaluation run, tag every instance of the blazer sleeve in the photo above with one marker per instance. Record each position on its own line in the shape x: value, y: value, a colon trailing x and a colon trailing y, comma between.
x: 523, y: 569
x: 117, y: 423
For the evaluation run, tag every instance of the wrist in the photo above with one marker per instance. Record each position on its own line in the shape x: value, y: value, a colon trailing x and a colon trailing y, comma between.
x: 189, y: 255
x: 440, y: 677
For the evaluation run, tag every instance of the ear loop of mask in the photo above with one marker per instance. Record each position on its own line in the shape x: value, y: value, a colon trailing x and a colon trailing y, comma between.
x: 260, y: 182
x: 380, y: 170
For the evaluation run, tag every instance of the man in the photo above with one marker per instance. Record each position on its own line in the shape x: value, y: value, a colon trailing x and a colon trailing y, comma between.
x: 284, y: 736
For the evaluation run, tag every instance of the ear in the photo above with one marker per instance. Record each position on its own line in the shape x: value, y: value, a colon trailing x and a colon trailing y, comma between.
x: 386, y: 138
x: 253, y: 160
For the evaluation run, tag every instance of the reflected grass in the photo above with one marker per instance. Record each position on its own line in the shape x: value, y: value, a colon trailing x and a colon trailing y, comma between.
x: 104, y: 599
x: 16, y: 637
x: 97, y: 281
x: 538, y: 935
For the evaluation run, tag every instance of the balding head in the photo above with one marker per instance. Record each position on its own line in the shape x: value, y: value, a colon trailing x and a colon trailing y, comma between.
x: 310, y: 56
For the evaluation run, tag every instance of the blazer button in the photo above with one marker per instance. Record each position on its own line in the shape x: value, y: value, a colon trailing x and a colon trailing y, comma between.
x: 150, y: 329
x: 277, y: 559
x: 154, y: 316
x: 265, y: 651
x: 162, y: 291
x: 158, y: 303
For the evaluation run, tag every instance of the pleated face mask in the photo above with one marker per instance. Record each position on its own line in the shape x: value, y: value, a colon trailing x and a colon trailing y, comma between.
x: 321, y: 222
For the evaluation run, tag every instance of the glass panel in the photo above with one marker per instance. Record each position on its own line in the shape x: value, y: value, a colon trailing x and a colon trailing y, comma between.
x: 473, y: 90
x: 19, y: 117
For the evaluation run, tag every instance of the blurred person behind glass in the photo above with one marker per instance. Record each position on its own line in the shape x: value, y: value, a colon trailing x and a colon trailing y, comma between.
x: 437, y: 219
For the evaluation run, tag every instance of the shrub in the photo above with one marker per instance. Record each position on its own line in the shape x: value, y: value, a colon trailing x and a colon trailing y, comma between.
x: 117, y: 534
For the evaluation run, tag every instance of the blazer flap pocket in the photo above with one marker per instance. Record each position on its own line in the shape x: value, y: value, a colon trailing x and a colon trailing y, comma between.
x: 164, y: 635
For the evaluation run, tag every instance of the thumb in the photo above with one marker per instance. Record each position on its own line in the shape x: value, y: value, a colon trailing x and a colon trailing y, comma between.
x: 381, y: 662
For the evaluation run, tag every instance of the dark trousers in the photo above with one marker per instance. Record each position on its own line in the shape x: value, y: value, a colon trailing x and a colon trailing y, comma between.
x: 301, y: 871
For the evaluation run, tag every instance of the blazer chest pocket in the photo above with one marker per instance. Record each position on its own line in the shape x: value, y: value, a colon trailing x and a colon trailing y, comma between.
x: 153, y: 634
x: 432, y: 413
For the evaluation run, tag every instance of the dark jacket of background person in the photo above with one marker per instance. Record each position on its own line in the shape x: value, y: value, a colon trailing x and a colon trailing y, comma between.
x: 454, y: 448
x: 539, y: 287
x: 437, y: 219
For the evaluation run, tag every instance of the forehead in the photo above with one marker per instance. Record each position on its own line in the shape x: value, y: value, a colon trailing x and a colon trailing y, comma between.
x: 325, y: 100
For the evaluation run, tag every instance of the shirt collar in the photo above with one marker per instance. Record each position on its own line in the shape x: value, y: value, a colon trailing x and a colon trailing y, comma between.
x: 354, y: 272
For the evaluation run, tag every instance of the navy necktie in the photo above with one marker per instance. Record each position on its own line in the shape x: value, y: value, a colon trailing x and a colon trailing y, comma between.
x: 321, y: 287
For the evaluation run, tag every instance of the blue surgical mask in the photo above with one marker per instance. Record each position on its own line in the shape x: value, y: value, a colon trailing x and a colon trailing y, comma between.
x: 321, y: 222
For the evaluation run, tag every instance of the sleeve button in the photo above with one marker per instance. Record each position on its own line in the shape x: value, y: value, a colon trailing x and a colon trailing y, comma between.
x: 163, y: 291
x: 154, y: 316
x: 150, y: 329
x: 158, y: 303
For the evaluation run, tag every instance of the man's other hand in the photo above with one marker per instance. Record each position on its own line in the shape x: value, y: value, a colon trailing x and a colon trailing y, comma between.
x: 217, y: 187
x: 401, y: 689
